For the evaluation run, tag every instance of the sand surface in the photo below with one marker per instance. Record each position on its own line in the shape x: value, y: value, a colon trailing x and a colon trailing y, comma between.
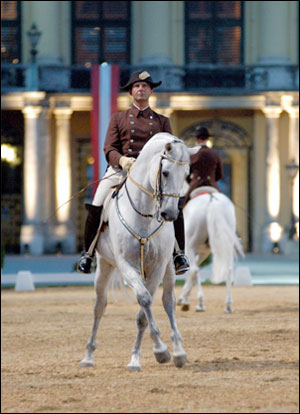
x: 245, y: 362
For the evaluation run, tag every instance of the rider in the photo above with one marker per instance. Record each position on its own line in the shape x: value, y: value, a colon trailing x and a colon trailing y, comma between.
x: 127, y: 133
x: 206, y: 167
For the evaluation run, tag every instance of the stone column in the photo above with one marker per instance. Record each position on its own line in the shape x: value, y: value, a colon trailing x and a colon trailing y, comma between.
x: 272, y: 179
x: 152, y: 33
x: 293, y: 158
x: 274, y: 32
x: 155, y: 24
x: 273, y: 71
x: 64, y: 231
x: 47, y: 15
x: 36, y: 179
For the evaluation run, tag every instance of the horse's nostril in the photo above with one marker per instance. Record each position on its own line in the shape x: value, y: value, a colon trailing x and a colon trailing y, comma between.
x: 166, y: 216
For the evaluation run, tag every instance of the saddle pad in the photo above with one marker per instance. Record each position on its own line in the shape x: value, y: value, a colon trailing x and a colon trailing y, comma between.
x: 203, y: 190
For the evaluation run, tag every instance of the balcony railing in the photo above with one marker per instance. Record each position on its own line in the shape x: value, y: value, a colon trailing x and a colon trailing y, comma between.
x: 212, y: 79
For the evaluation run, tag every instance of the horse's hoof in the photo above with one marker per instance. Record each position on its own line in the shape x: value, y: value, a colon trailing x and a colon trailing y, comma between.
x: 84, y: 363
x: 133, y: 367
x: 162, y: 357
x: 228, y: 309
x: 185, y: 307
x: 199, y: 308
x: 179, y: 360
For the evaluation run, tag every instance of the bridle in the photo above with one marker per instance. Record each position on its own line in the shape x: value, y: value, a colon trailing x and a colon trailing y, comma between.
x: 158, y: 195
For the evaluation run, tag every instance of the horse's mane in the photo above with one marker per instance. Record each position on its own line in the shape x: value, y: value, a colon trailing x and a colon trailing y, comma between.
x: 161, y: 138
x: 158, y: 141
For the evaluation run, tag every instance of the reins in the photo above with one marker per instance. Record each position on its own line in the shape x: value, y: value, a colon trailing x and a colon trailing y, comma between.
x: 77, y: 194
x: 141, y: 239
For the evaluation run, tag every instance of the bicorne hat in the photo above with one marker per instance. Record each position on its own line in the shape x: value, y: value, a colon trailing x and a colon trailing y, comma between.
x: 202, y: 133
x: 142, y: 76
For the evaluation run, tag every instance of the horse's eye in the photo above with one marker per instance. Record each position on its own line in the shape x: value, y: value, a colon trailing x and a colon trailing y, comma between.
x: 165, y: 173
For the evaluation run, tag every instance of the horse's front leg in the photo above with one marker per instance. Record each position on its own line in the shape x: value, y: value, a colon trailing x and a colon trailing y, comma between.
x: 169, y: 303
x: 141, y: 324
x: 101, y: 283
x: 144, y: 317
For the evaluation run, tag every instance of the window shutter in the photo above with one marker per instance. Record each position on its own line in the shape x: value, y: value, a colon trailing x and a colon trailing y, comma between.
x: 101, y: 32
x: 10, y: 31
x: 213, y: 32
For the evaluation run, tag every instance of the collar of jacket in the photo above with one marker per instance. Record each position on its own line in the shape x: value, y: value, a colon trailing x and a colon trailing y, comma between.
x: 146, y: 113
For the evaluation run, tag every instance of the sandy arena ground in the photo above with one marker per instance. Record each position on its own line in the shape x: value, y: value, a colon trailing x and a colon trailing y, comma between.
x: 246, y: 362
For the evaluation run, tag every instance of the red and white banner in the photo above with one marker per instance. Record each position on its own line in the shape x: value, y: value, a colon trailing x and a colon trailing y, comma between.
x: 105, y: 84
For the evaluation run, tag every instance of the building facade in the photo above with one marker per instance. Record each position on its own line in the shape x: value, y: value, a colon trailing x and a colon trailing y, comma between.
x: 231, y: 66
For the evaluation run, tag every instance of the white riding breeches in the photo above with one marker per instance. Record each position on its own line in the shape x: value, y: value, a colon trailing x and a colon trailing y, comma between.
x: 106, y: 184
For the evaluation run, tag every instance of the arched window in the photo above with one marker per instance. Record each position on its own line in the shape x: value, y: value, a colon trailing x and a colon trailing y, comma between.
x: 214, y: 32
x: 100, y: 32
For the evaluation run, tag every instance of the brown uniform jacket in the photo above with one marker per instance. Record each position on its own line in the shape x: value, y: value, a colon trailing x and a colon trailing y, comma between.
x: 128, y: 132
x: 206, y: 168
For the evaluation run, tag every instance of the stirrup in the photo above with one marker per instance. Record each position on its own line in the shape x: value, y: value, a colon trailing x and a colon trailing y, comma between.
x: 85, y: 263
x: 181, y: 263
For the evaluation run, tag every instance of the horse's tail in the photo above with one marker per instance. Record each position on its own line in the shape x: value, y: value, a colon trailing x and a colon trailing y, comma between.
x: 224, y: 243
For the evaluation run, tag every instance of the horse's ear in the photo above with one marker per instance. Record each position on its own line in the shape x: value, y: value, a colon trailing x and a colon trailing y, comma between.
x: 169, y: 147
x: 193, y: 150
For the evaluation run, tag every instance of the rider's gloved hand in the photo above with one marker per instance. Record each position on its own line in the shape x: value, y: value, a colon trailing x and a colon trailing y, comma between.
x: 126, y: 162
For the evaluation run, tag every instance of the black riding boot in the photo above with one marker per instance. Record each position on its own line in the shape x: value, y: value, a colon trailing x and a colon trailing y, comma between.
x: 91, y: 227
x: 181, y: 261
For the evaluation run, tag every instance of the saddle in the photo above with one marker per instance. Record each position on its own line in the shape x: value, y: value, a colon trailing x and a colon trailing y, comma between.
x: 107, y: 202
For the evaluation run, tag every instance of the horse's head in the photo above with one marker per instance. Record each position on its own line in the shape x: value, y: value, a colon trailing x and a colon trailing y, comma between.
x: 167, y: 175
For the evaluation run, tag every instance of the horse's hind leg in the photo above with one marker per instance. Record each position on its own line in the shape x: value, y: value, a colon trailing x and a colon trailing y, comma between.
x: 200, y: 296
x: 229, y: 301
x: 183, y: 299
x: 190, y: 279
x: 101, y: 283
x: 169, y: 303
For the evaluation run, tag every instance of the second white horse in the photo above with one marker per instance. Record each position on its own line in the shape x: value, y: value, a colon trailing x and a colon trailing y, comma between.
x: 210, y: 227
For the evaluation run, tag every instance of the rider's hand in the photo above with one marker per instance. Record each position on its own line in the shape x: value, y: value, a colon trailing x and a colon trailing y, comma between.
x: 126, y: 162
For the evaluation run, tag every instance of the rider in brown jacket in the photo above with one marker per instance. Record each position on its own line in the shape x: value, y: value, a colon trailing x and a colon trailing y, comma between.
x: 206, y: 167
x: 127, y: 133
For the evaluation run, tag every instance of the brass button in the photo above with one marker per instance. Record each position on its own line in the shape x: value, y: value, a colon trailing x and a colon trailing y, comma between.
x: 132, y: 131
x: 131, y: 116
x: 132, y: 140
x: 132, y: 122
x: 129, y: 150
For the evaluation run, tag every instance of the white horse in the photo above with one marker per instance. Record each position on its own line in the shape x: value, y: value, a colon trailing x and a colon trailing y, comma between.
x: 210, y: 227
x: 139, y: 240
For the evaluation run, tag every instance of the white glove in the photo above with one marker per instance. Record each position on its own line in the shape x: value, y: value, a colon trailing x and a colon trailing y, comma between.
x: 126, y: 162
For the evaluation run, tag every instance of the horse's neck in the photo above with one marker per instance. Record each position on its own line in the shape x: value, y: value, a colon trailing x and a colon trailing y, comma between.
x: 142, y: 201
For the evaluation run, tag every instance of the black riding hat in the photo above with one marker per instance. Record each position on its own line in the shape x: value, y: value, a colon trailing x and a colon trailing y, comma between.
x: 202, y: 133
x: 142, y: 76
